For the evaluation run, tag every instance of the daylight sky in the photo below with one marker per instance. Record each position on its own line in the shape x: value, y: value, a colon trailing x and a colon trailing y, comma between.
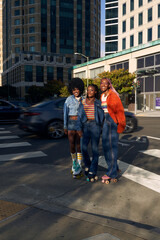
x: 102, y: 28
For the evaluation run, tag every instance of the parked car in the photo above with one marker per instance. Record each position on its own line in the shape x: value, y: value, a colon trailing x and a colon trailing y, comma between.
x: 22, y: 104
x: 44, y: 118
x: 131, y: 122
x: 9, y: 112
x: 47, y: 118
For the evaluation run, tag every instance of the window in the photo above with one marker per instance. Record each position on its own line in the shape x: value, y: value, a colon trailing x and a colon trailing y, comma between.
x: 140, y: 40
x: 124, y: 8
x: 131, y: 22
x: 123, y: 43
x: 31, y: 1
x: 17, y: 49
x: 124, y: 26
x: 31, y: 10
x: 28, y: 73
x: 31, y: 20
x: 149, y: 14
x: 158, y: 31
x: 32, y: 39
x: 17, y: 12
x: 50, y: 71
x: 17, y: 3
x: 31, y: 29
x: 140, y: 3
x: 32, y: 48
x: 131, y: 40
x: 140, y: 19
x: 17, y: 22
x: 159, y: 10
x: 149, y: 34
x: 149, y: 61
x: 17, y: 40
x: 149, y: 0
x: 131, y: 5
x: 39, y: 73
x: 17, y: 31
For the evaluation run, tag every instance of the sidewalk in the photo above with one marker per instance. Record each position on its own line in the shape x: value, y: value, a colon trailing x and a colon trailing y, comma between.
x: 146, y: 113
x: 54, y: 206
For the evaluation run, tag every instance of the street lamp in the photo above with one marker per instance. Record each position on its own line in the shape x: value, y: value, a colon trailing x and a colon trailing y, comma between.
x: 87, y: 64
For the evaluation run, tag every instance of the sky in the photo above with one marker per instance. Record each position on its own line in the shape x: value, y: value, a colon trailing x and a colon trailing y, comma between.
x: 102, y: 28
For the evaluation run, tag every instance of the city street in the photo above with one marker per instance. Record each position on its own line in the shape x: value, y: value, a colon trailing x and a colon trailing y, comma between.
x: 40, y: 200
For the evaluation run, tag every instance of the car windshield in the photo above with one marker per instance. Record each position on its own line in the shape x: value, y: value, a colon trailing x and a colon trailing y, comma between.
x: 41, y: 104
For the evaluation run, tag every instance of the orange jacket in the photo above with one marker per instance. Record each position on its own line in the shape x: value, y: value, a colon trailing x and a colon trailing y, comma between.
x: 116, y: 110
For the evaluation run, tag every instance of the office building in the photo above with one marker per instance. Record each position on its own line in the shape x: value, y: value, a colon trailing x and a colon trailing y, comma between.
x: 41, y: 37
x: 130, y: 23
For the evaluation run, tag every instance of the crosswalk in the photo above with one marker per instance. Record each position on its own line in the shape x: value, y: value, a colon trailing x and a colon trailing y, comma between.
x: 133, y: 173
x: 7, y: 135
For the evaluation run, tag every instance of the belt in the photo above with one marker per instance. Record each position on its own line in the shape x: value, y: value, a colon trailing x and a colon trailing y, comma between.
x: 73, y: 117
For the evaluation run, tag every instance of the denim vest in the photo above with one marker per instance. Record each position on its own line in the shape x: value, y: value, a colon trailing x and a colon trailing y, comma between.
x: 71, y: 106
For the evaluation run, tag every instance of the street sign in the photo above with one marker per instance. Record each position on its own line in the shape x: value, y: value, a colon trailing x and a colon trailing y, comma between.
x: 157, y: 103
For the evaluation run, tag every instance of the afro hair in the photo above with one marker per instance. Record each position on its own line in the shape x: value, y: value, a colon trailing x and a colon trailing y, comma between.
x: 76, y: 83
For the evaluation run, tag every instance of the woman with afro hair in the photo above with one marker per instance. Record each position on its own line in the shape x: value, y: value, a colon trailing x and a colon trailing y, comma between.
x: 71, y: 105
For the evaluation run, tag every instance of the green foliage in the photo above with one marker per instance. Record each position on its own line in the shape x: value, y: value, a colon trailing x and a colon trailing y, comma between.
x: 64, y: 92
x: 120, y: 79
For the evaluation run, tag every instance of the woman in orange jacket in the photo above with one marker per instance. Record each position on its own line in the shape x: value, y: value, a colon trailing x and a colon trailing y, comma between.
x: 114, y: 123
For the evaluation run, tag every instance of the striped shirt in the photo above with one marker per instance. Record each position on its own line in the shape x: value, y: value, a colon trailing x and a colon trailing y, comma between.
x: 104, y: 103
x: 89, y: 110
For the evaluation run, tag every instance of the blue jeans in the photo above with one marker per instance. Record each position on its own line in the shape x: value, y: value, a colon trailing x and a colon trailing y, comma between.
x: 91, y: 132
x: 110, y: 145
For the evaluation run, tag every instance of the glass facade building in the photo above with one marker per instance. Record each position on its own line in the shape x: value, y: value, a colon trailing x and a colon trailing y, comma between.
x: 45, y: 35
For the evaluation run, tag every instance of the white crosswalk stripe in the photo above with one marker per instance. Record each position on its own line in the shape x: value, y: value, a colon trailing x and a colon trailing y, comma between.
x: 152, y: 152
x: 16, y: 156
x: 16, y: 144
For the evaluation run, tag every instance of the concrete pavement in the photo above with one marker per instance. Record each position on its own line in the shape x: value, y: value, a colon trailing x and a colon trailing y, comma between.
x: 147, y: 113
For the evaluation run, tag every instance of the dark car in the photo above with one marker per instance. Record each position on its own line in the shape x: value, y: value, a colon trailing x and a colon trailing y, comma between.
x: 44, y: 118
x: 131, y: 122
x: 9, y: 112
x: 22, y: 104
x: 47, y: 118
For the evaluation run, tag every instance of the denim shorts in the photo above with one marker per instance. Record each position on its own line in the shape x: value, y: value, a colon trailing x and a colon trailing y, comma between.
x: 72, y: 124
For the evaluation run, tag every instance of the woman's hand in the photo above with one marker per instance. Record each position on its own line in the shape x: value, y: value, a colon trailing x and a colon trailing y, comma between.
x: 80, y: 133
x: 65, y: 131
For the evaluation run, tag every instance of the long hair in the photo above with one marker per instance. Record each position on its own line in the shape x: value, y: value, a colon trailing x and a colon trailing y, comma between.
x: 111, y: 86
x: 76, y: 83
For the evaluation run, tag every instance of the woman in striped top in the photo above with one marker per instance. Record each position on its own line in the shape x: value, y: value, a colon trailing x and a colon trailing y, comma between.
x: 90, y: 119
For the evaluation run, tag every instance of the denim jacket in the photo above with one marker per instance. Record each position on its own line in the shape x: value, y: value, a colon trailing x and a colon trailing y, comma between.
x: 98, y: 114
x: 71, y: 106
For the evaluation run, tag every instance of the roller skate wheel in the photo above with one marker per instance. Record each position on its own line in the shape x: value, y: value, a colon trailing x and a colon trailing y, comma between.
x: 103, y: 181
x: 96, y: 178
x: 92, y: 179
x: 107, y: 182
x: 87, y: 179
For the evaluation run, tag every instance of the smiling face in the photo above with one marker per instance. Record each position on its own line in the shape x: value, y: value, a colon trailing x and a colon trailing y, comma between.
x: 91, y: 92
x: 105, y: 85
x: 76, y: 92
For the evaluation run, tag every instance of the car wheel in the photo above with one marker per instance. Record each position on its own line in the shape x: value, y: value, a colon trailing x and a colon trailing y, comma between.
x: 130, y: 125
x: 55, y: 129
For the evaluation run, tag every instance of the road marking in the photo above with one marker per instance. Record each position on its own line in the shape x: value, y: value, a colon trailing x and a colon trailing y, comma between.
x: 19, y: 156
x: 16, y: 144
x: 8, y: 137
x: 2, y: 128
x: 1, y: 132
x: 103, y: 236
x: 136, y: 174
x: 152, y: 152
x: 153, y: 138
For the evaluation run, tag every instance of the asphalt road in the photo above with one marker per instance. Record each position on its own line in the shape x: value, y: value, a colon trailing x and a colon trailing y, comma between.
x: 35, y: 173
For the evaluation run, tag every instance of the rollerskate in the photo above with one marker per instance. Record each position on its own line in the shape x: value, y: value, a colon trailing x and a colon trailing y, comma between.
x: 91, y: 177
x: 86, y: 171
x: 107, y: 180
x: 77, y: 171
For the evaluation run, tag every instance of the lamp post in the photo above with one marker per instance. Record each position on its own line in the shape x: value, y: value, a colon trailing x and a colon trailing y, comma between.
x: 87, y: 64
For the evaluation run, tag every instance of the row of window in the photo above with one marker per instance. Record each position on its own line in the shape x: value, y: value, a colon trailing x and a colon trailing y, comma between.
x: 31, y: 39
x: 17, y: 11
x: 140, y: 38
x: 17, y: 2
x: 18, y: 31
x: 132, y: 7
x: 31, y: 49
x: 18, y: 22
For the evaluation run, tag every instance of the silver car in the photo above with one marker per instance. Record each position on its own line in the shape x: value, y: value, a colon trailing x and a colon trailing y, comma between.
x: 44, y: 118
